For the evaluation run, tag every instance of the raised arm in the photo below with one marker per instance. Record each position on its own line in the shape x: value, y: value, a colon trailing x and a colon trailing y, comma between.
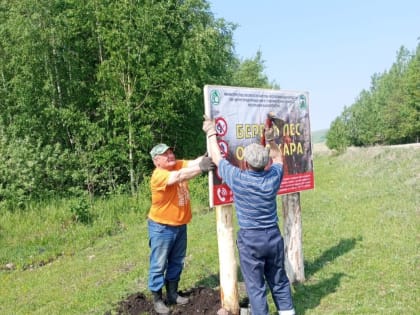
x: 213, y: 146
x: 275, y: 152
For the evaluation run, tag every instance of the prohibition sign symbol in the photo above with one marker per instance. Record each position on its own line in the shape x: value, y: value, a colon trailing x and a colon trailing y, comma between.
x: 223, y: 148
x: 221, y: 126
x: 223, y: 151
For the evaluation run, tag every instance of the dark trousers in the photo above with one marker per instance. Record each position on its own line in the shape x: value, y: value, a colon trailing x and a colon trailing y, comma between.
x: 261, y: 255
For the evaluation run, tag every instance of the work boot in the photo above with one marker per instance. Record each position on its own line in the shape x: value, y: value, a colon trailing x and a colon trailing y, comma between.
x: 172, y: 294
x: 158, y: 303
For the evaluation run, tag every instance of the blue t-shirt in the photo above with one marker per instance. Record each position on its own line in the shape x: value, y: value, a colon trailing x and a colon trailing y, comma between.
x: 254, y: 194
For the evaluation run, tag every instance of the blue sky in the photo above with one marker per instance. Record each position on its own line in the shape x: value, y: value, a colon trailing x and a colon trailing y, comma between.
x: 330, y: 48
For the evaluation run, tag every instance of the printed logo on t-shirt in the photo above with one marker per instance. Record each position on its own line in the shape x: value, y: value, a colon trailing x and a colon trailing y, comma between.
x: 183, y: 194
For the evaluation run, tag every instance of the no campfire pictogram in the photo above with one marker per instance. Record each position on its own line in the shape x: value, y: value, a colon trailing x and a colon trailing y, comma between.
x: 223, y: 148
x: 221, y: 126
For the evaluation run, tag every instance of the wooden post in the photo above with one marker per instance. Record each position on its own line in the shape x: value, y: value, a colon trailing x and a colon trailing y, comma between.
x: 227, y: 262
x: 292, y: 223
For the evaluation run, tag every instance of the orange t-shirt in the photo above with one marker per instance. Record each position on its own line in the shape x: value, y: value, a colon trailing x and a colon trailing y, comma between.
x: 170, y: 204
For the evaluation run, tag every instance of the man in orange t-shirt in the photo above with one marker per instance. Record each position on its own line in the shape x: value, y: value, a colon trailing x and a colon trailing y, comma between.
x: 168, y: 217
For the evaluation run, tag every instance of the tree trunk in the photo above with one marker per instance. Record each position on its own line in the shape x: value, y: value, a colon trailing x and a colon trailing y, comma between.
x: 292, y: 223
x: 128, y: 84
x: 228, y: 270
x: 130, y: 155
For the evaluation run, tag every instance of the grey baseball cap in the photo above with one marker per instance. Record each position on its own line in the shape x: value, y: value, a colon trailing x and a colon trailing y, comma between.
x: 159, y: 149
x: 256, y: 155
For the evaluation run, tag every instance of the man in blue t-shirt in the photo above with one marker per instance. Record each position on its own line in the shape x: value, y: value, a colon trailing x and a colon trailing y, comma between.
x: 260, y: 244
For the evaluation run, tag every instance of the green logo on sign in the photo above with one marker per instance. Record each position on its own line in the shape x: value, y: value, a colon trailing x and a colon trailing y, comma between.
x: 214, y: 97
x: 302, y: 101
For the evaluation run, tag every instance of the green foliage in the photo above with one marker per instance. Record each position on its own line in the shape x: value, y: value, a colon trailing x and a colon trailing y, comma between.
x: 337, y: 136
x: 31, y: 171
x: 199, y: 192
x: 81, y: 212
x: 386, y: 114
x: 90, y: 84
x: 250, y: 73
x: 411, y: 112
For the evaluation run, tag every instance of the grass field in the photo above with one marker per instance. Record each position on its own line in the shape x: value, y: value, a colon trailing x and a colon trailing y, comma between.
x: 360, y: 239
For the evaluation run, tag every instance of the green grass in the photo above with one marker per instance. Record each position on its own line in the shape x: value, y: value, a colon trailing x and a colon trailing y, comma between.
x: 361, y: 228
x: 360, y: 239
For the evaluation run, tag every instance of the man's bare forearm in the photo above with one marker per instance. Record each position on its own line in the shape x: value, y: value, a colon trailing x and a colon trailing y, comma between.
x: 275, y: 152
x: 214, y: 149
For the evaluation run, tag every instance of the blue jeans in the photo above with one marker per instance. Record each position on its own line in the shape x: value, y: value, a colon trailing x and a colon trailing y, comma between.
x: 168, y: 247
x: 261, y: 255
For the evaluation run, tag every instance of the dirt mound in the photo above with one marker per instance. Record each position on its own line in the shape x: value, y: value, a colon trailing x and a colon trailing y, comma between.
x: 202, y: 301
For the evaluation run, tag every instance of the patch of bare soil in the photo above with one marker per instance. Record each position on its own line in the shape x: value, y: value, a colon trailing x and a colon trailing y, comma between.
x: 202, y: 301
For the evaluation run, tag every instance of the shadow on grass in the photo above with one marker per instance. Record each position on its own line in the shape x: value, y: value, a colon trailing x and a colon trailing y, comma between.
x: 211, y: 281
x: 329, y: 255
x: 308, y: 295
